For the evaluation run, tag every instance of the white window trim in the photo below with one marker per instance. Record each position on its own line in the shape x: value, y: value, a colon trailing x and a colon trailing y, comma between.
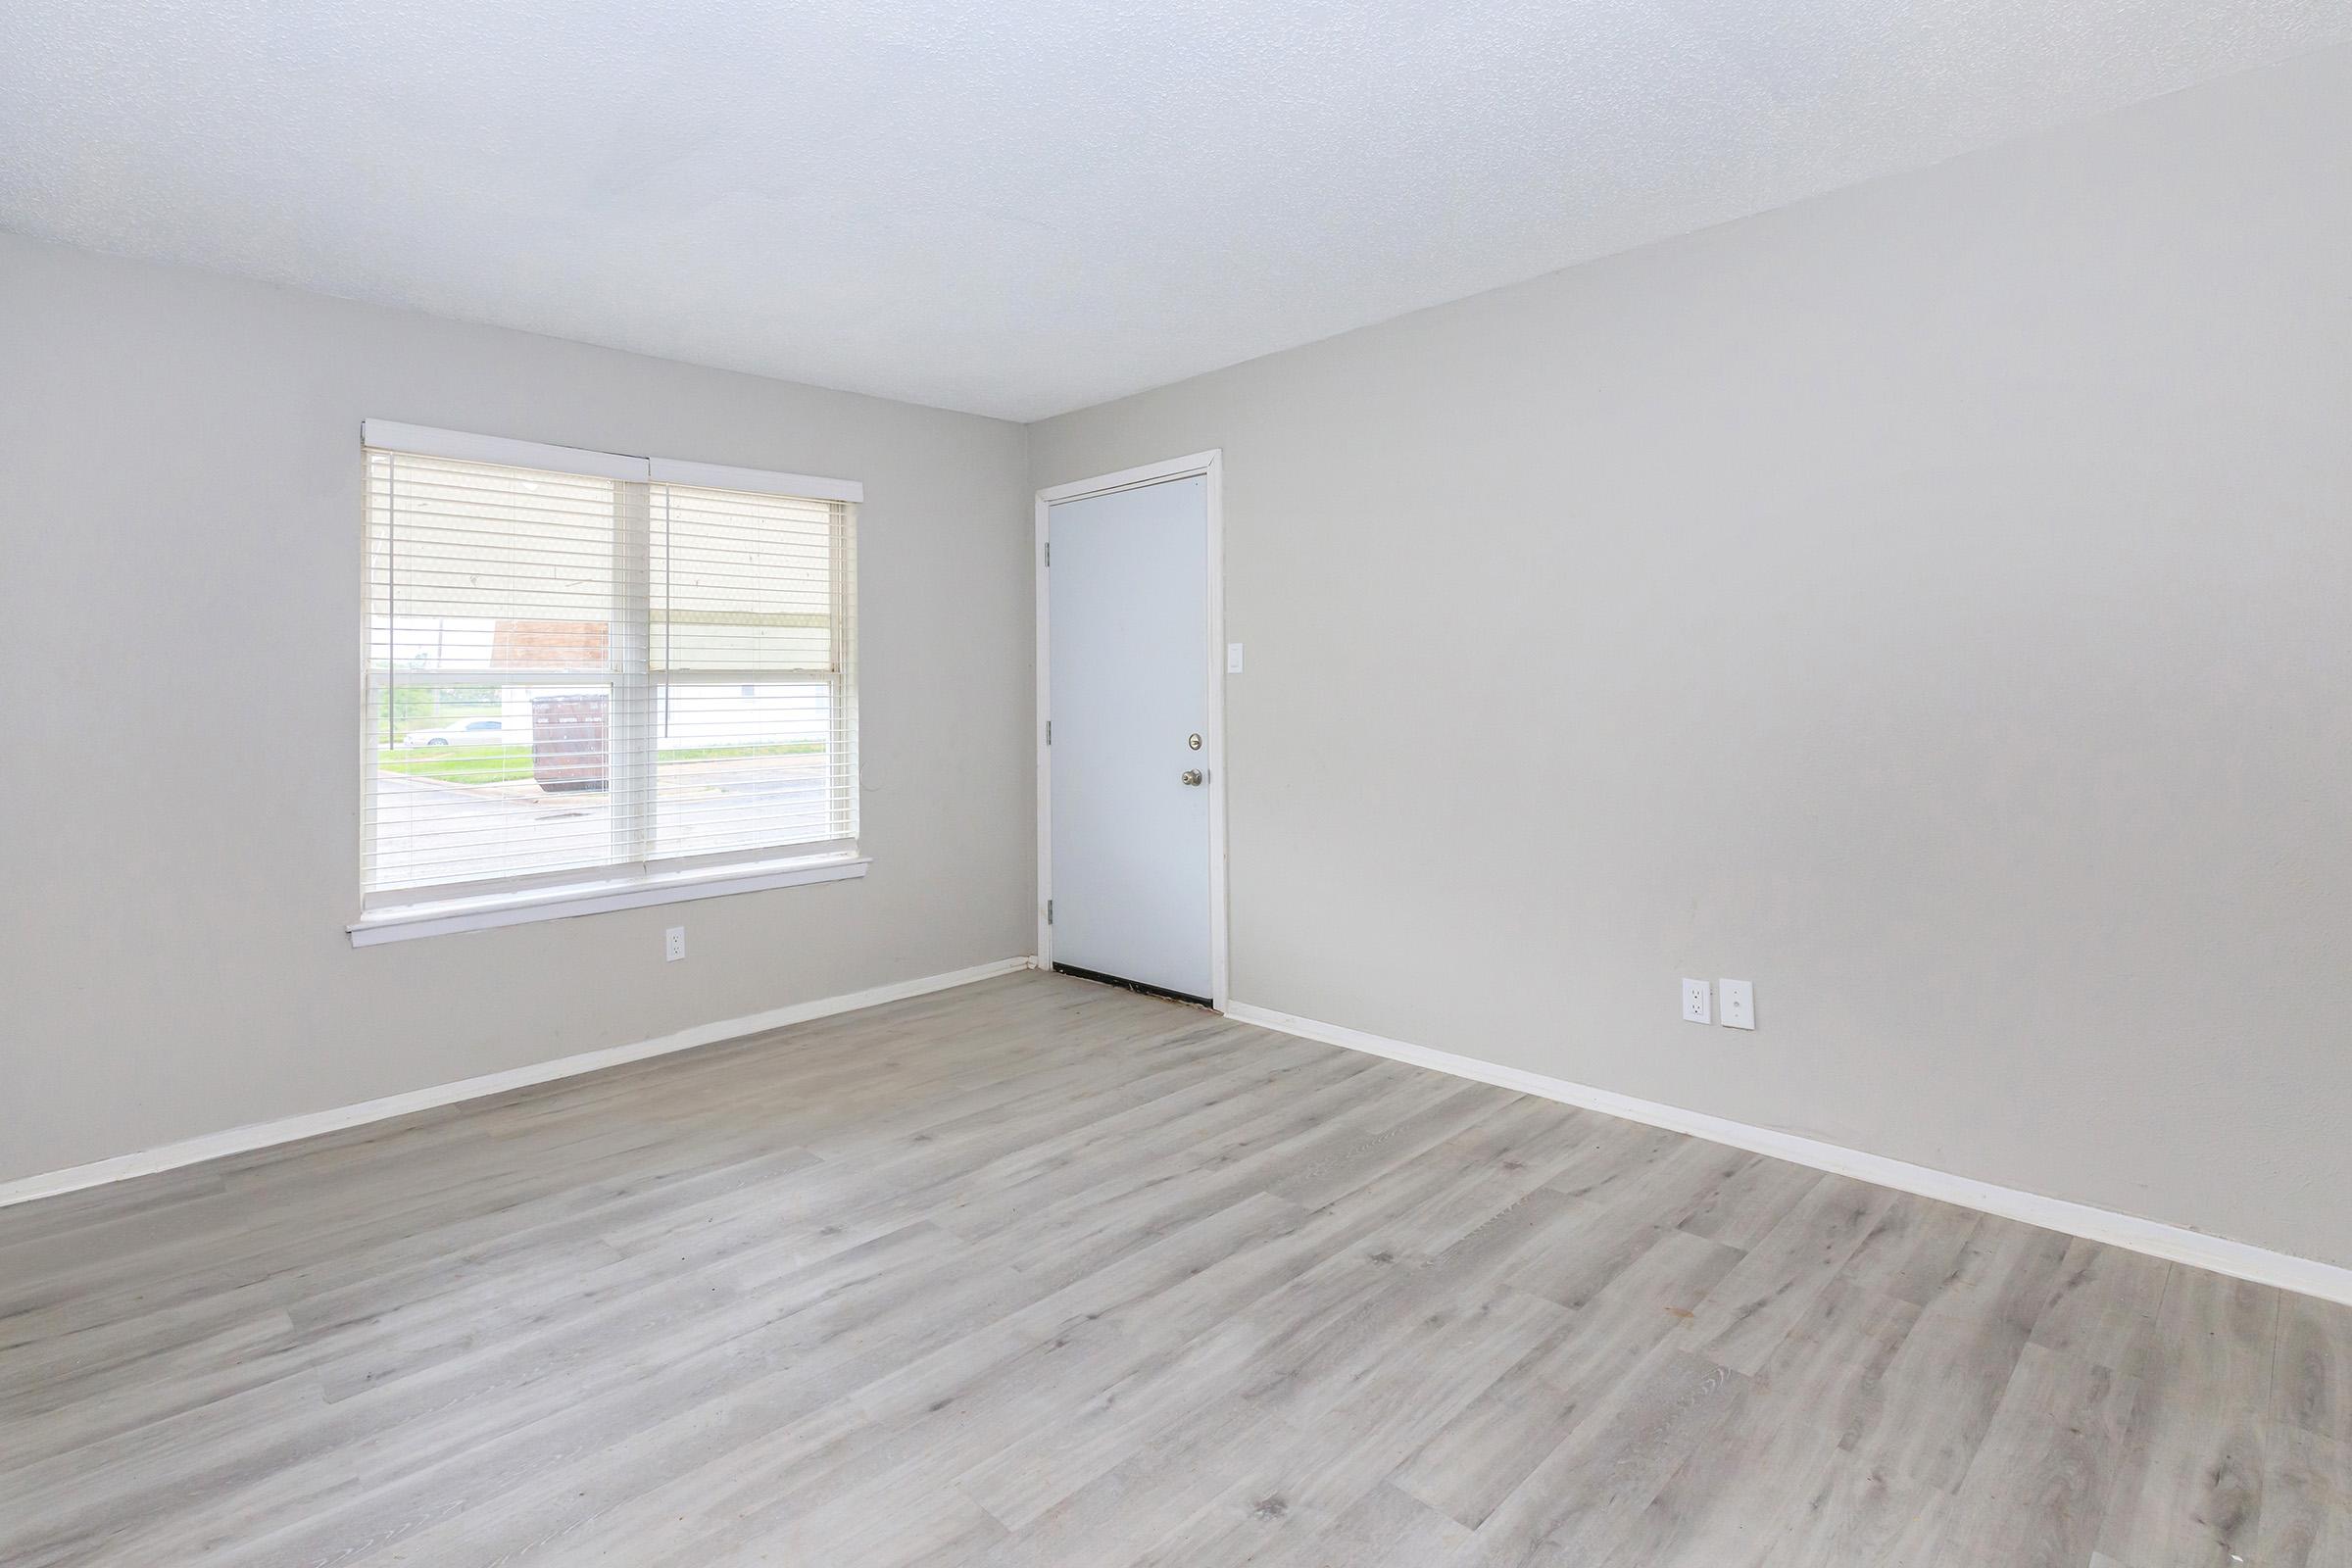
x: 390, y: 917
x: 440, y: 916
x: 760, y: 481
x: 428, y: 441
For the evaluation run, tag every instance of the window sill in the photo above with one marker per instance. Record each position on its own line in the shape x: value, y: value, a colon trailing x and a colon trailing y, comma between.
x: 400, y: 923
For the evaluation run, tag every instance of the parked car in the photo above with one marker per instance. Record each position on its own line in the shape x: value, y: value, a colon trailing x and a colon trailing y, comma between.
x: 472, y: 732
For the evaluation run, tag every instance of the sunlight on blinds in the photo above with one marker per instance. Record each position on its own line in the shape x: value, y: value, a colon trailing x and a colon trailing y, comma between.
x: 572, y: 676
x: 754, y: 710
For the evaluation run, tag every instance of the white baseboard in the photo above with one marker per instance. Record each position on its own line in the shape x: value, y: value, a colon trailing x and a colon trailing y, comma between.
x: 2174, y: 1243
x: 288, y: 1129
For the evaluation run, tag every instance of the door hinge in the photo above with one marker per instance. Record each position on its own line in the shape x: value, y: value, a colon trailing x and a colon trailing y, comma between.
x: 1049, y: 554
x: 1049, y: 732
x: 1049, y: 911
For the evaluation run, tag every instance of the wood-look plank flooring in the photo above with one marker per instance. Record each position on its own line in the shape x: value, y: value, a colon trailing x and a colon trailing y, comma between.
x: 1043, y: 1272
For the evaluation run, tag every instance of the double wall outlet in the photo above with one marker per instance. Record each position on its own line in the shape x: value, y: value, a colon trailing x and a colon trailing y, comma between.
x: 673, y: 944
x: 1699, y: 1003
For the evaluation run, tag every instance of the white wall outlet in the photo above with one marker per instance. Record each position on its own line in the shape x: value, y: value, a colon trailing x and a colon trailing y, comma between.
x: 1738, y: 1003
x: 1233, y: 659
x: 1699, y: 1004
x: 673, y: 944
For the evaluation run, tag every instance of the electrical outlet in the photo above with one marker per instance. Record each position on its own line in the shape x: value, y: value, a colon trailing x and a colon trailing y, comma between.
x: 1697, y: 1003
x: 1738, y: 1003
x: 673, y: 944
x: 1233, y: 659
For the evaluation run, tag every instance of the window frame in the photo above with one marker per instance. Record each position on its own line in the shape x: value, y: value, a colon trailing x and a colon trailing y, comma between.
x: 634, y: 877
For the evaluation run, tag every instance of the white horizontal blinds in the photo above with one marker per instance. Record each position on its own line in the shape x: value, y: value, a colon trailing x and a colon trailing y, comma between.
x: 750, y: 633
x: 493, y: 612
x: 572, y: 673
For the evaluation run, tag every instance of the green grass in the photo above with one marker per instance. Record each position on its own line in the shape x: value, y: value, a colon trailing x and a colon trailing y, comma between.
x: 506, y: 765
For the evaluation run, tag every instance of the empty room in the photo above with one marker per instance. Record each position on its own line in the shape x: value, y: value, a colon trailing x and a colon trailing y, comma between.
x: 1435, y: 784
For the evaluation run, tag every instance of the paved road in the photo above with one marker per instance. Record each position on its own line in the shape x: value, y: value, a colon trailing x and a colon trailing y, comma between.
x: 704, y: 804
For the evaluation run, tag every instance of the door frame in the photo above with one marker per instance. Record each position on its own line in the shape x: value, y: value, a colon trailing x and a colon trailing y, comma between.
x: 1210, y: 464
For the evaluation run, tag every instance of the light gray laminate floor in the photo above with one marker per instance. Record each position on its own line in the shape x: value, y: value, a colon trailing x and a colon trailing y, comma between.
x: 1039, y: 1272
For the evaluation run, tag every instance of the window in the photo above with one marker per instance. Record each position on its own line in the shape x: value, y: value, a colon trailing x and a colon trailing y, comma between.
x: 590, y: 673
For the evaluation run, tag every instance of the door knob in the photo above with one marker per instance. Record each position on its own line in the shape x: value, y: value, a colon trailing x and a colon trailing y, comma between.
x: 1192, y: 776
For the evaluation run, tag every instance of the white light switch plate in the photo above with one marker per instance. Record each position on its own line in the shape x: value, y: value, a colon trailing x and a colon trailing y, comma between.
x: 1699, y: 1004
x: 1738, y: 1003
x: 1233, y: 659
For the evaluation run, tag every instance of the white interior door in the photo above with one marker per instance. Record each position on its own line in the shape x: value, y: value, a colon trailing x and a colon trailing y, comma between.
x: 1129, y: 753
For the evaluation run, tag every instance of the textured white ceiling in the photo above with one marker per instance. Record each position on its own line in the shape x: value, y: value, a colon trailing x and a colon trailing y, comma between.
x: 1015, y: 207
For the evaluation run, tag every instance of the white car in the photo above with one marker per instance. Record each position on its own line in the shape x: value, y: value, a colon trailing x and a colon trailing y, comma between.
x: 472, y: 732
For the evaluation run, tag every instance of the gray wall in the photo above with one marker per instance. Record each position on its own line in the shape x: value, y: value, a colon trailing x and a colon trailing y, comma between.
x: 180, y: 791
x: 1932, y: 601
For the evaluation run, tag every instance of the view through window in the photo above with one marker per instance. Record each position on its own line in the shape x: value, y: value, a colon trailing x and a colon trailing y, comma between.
x: 574, y: 676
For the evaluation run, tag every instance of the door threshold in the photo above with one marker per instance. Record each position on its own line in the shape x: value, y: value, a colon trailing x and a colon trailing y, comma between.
x: 1101, y: 979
